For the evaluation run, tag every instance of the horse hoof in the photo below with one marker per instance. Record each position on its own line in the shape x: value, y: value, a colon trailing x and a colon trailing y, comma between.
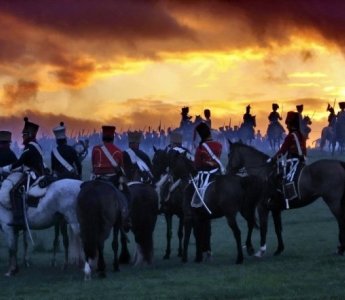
x: 184, y: 259
x: 64, y: 267
x: 53, y: 263
x: 250, y: 251
x: 239, y: 261
x: 340, y: 250
x: 27, y: 264
x: 259, y: 254
x: 102, y: 275
x: 12, y: 272
x: 166, y: 256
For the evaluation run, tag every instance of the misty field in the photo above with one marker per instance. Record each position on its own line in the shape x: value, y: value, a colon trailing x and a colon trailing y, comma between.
x: 307, y: 269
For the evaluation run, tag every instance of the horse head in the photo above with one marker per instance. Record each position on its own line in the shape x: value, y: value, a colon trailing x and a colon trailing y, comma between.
x: 245, y: 156
x: 160, y: 162
x: 181, y: 165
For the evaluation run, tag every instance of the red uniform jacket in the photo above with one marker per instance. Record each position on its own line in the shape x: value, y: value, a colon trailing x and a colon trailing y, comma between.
x: 202, y: 160
x: 289, y: 146
x: 101, y: 164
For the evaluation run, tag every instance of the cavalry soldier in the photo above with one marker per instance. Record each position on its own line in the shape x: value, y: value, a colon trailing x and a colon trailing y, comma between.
x: 186, y: 119
x: 207, y: 154
x: 7, y: 156
x: 107, y: 158
x: 207, y: 114
x: 64, y: 159
x: 137, y: 163
x: 294, y: 147
x: 248, y: 119
x: 294, y: 144
x: 274, y: 117
x: 341, y: 113
x: 31, y: 163
x: 332, y: 118
x: 107, y: 164
x: 303, y: 126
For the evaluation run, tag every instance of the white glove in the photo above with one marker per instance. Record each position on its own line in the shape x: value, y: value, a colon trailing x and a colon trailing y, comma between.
x: 269, y: 160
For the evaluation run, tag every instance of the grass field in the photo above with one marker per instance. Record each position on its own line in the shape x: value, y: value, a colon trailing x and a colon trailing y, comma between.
x: 307, y: 269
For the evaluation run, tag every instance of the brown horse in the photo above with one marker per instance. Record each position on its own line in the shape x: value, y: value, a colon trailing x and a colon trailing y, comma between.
x: 323, y: 178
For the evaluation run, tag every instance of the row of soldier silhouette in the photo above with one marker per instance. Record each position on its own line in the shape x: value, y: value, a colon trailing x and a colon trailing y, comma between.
x: 133, y: 164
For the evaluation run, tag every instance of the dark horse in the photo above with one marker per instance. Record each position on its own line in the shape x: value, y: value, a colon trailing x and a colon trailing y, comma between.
x: 225, y: 196
x: 171, y: 188
x: 323, y: 178
x: 98, y: 212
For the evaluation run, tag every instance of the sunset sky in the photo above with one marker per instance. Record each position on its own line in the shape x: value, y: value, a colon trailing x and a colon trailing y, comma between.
x: 135, y: 64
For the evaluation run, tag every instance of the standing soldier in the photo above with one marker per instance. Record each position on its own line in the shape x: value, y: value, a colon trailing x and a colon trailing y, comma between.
x: 31, y: 164
x: 7, y: 156
x: 302, y: 124
x: 64, y: 158
x: 137, y: 163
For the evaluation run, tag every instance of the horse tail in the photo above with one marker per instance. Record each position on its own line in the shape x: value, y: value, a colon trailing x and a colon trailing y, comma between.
x: 90, y: 219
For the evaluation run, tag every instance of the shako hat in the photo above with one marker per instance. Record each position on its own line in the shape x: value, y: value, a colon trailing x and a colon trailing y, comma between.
x: 342, y: 105
x: 275, y: 106
x: 108, y: 131
x: 292, y: 119
x: 60, y: 131
x: 30, y: 128
x: 299, y: 107
x: 134, y: 136
x: 203, y: 130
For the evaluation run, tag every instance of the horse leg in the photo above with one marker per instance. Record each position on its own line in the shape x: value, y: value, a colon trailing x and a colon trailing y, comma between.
x: 188, y: 224
x: 125, y: 257
x: 115, y: 247
x: 206, y: 239
x: 56, y: 242
x: 199, y: 234
x: 168, y: 220
x: 11, y: 236
x: 180, y: 236
x: 263, y: 219
x: 26, y: 246
x: 65, y: 241
x: 237, y: 234
x: 101, y: 262
x: 250, y: 224
x: 276, y: 214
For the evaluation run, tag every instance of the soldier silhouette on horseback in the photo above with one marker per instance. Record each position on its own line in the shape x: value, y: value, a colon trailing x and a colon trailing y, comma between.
x: 31, y: 164
x: 248, y: 119
x: 332, y: 118
x: 186, y: 119
x: 274, y: 117
x: 64, y: 159
x: 303, y: 122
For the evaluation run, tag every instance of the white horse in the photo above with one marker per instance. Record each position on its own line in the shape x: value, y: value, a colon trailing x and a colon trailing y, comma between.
x: 59, y: 198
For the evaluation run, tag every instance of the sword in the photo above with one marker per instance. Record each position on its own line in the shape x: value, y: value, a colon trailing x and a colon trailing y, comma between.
x: 198, y: 193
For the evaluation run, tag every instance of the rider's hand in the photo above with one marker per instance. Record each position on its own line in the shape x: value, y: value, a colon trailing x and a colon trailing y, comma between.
x: 269, y: 160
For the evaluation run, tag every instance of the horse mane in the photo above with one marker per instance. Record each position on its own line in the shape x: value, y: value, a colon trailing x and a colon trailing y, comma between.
x: 250, y: 148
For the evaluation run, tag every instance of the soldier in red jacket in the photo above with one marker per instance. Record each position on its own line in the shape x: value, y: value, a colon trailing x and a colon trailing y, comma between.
x: 107, y: 164
x: 207, y: 154
x: 295, y: 143
x: 107, y: 159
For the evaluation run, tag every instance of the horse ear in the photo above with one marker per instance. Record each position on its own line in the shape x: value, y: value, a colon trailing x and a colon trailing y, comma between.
x: 154, y: 149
